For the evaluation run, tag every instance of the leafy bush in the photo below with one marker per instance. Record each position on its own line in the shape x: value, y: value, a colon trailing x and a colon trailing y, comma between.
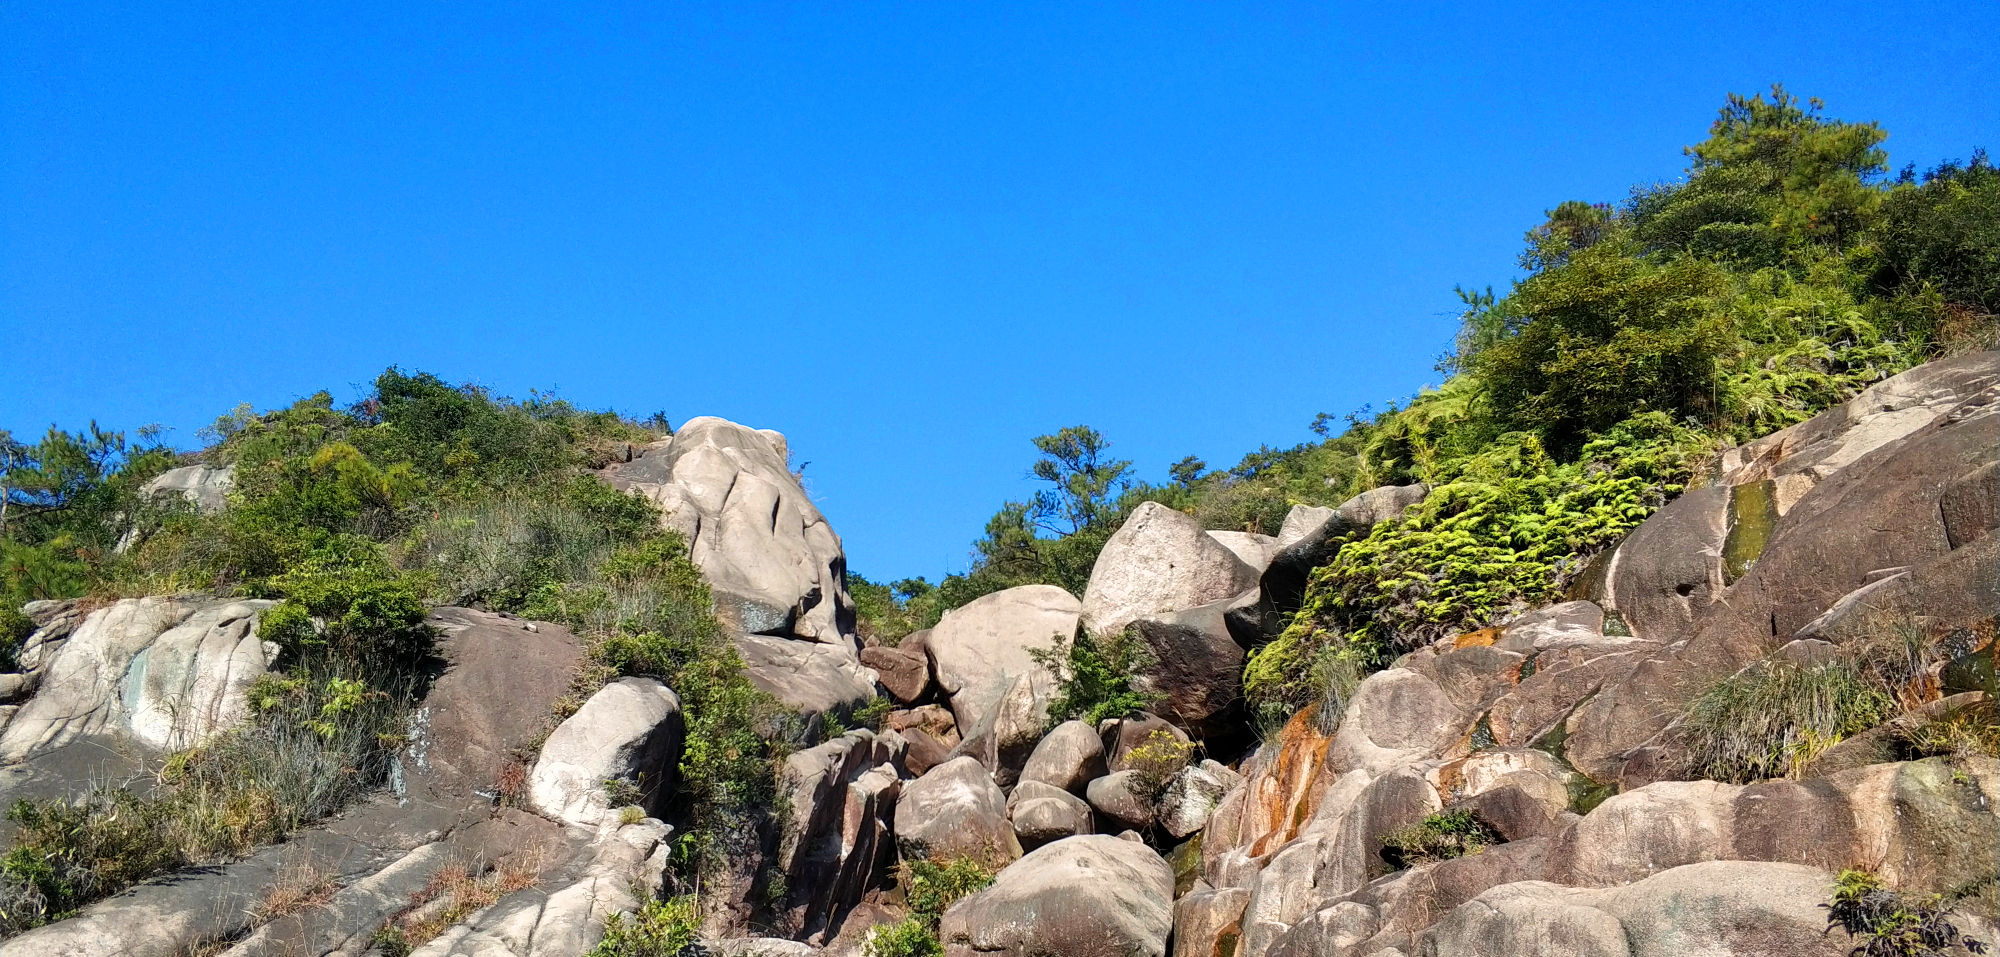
x: 929, y: 888
x: 372, y: 615
x: 905, y: 938
x: 1094, y: 676
x: 1508, y: 530
x: 668, y: 928
x: 1770, y: 720
x: 1156, y: 759
x: 1438, y: 837
x: 1890, y: 924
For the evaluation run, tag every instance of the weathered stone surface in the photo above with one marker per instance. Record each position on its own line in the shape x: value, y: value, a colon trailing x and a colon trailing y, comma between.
x: 1070, y: 756
x: 842, y: 797
x: 905, y: 674
x: 1543, y: 628
x: 1209, y: 923
x: 1159, y: 561
x: 163, y: 672
x: 1197, y: 668
x: 1043, y: 812
x: 1877, y: 511
x: 955, y: 810
x: 773, y: 562
x: 806, y: 676
x: 1301, y: 521
x: 1012, y: 726
x: 1253, y: 549
x: 206, y: 487
x: 502, y: 677
x: 1091, y: 896
x: 1722, y: 907
x: 930, y: 733
x: 979, y: 650
x: 566, y: 917
x: 1396, y: 716
x: 1125, y: 798
x: 1190, y: 798
x: 629, y: 730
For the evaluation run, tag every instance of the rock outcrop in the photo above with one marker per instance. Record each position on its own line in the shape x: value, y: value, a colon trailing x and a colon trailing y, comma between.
x: 982, y: 656
x: 1159, y: 561
x: 627, y: 732
x: 1093, y: 896
x: 774, y: 563
x: 162, y: 672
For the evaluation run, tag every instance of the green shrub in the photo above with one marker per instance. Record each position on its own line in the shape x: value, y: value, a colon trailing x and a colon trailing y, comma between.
x: 905, y: 938
x: 1770, y: 720
x: 1094, y: 677
x: 1890, y: 924
x: 1439, y: 837
x: 930, y: 887
x: 669, y: 928
x: 372, y: 614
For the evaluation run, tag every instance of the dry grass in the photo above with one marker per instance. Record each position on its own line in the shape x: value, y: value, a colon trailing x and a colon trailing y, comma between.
x: 300, y: 887
x: 456, y: 892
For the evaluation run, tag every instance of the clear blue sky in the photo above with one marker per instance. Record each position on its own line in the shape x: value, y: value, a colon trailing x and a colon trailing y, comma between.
x: 910, y: 236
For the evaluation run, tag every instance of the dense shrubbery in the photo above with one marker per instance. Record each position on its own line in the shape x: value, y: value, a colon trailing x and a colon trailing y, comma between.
x: 1786, y: 272
x: 358, y: 519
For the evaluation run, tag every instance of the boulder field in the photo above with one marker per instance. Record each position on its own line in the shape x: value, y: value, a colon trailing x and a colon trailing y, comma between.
x: 1556, y: 736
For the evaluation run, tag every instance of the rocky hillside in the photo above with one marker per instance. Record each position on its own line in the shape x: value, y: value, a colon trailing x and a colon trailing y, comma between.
x: 1665, y: 626
x: 1564, y: 783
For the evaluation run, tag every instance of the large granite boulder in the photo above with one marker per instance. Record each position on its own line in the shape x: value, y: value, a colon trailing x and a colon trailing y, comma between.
x: 773, y: 562
x: 1043, y: 812
x: 1091, y: 896
x: 501, y: 679
x: 807, y: 677
x: 1722, y: 907
x: 956, y: 810
x: 904, y: 672
x: 1159, y: 561
x: 1070, y: 756
x: 629, y: 731
x: 1196, y: 666
x: 165, y: 673
x: 979, y: 651
x: 1254, y: 549
x: 1727, y: 572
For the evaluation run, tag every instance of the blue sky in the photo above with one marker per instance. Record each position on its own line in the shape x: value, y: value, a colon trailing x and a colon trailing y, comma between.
x: 910, y: 236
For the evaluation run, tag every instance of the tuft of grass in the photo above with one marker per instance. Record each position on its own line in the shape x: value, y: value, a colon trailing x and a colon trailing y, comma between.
x: 1439, y: 837
x: 1771, y: 720
x: 299, y: 888
x: 1960, y: 732
x: 930, y: 888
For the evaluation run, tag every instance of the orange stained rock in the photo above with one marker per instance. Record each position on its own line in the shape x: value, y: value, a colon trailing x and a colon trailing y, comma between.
x: 1473, y: 639
x: 1284, y: 796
